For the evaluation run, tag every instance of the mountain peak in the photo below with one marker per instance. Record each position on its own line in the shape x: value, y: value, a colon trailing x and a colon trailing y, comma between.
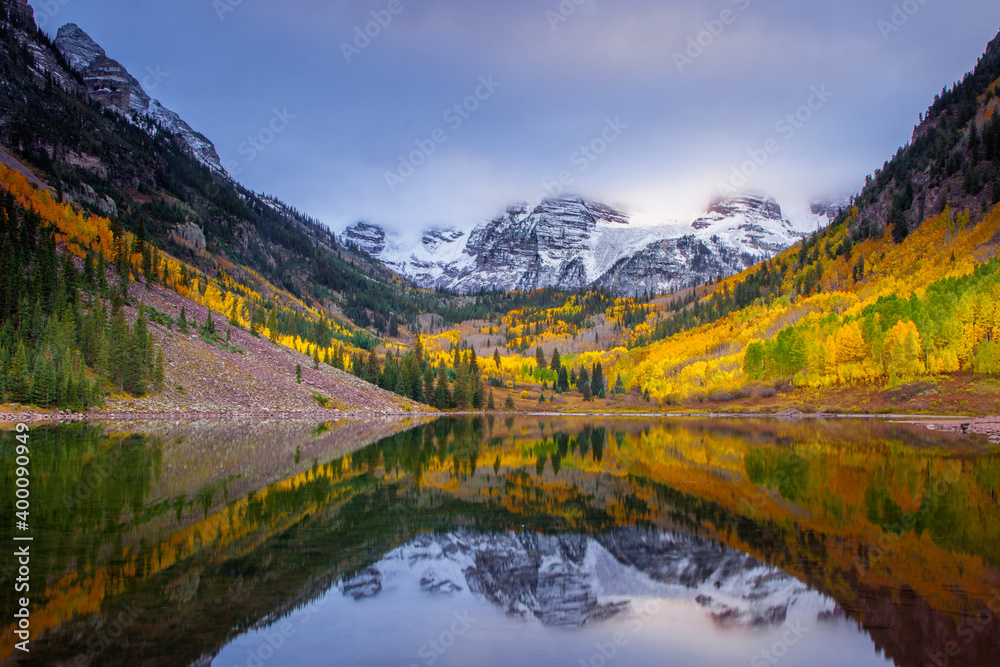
x: 728, y: 206
x: 109, y: 83
x: 79, y: 48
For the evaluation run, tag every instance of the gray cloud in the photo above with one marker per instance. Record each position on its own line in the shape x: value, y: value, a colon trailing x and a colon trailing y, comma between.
x: 688, y: 126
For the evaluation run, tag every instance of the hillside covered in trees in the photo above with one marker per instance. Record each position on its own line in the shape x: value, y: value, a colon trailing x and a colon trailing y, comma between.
x: 898, y: 294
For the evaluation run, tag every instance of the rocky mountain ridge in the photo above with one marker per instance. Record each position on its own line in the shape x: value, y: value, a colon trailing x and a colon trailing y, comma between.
x: 572, y: 580
x: 108, y: 82
x: 574, y: 243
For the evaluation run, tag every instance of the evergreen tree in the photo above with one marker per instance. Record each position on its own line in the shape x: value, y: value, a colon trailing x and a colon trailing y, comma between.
x: 563, y: 382
x: 619, y: 387
x: 418, y: 351
x: 102, y: 274
x: 477, y: 389
x: 43, y: 382
x: 490, y: 403
x: 119, y: 353
x: 298, y: 373
x: 540, y: 357
x: 442, y: 395
x: 556, y: 363
x: 496, y: 359
x: 19, y: 382
x: 136, y: 357
x: 148, y: 271
x: 372, y: 367
x: 597, y: 381
x: 508, y: 404
x: 462, y: 398
x: 272, y: 326
x: 209, y: 326
x: 430, y: 396
x: 182, y: 324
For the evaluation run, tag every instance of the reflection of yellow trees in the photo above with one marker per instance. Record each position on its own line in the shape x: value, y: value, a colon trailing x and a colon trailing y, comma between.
x: 879, y: 512
x: 235, y: 525
x: 913, y: 513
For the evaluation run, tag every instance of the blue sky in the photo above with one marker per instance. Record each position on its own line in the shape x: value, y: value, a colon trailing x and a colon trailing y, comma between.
x: 448, y: 110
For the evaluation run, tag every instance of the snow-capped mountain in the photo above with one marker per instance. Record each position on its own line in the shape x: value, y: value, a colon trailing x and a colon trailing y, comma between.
x: 109, y: 83
x: 571, y: 580
x: 573, y: 243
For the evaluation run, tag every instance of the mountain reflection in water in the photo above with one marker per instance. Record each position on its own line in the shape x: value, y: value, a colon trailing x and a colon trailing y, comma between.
x: 697, y: 542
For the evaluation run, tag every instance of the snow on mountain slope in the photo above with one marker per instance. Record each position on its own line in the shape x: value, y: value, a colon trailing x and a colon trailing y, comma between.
x: 571, y: 580
x: 572, y: 243
x: 108, y: 82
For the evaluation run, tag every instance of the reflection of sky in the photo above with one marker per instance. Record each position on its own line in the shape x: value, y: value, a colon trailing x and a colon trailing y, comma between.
x: 406, y: 625
x: 560, y: 80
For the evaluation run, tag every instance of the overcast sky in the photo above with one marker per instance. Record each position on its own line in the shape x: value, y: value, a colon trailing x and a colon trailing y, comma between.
x: 671, y: 99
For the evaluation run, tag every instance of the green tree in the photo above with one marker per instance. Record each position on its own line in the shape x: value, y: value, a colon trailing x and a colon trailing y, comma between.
x: 563, y: 382
x: 372, y: 367
x: 430, y: 396
x: 298, y: 373
x: 556, y: 363
x: 208, y: 327
x: 442, y: 395
x: 272, y: 326
x: 19, y: 382
x: 597, y: 381
x: 138, y: 357
x: 119, y: 353
x: 158, y: 370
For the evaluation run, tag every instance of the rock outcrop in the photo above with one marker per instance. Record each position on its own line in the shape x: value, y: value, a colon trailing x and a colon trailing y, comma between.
x: 574, y: 243
x: 110, y: 84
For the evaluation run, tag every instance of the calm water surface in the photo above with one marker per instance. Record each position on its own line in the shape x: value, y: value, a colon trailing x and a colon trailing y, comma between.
x: 508, y: 541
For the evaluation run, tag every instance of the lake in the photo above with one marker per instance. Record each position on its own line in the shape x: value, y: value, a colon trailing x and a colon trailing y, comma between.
x: 507, y: 541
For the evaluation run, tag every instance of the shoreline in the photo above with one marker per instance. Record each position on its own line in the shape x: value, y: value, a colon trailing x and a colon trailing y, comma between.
x: 946, y: 423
